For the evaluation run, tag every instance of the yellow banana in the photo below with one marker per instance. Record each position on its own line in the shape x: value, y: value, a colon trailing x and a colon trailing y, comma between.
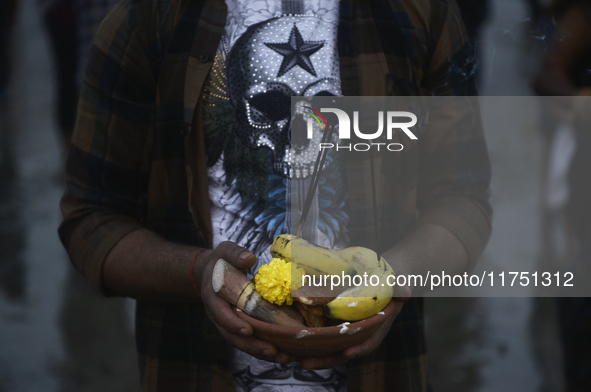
x: 315, y: 260
x: 363, y: 301
x: 364, y: 260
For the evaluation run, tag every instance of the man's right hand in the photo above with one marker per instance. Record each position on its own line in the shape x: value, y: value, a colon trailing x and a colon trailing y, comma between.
x: 233, y: 329
x: 162, y: 276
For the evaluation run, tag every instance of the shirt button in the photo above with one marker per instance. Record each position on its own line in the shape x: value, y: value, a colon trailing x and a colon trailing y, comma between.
x: 204, y: 57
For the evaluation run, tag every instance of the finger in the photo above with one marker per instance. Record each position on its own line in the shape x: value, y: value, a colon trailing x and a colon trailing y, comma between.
x: 402, y: 293
x: 324, y: 362
x: 256, y: 347
x: 368, y: 346
x: 234, y: 254
x: 365, y: 348
x: 282, y: 357
x: 375, y: 340
x: 221, y: 313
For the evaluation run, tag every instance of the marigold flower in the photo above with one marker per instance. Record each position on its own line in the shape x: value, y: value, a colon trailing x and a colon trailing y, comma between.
x: 273, y: 281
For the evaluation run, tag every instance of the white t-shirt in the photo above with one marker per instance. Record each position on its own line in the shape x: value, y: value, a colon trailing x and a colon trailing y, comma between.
x: 271, y: 49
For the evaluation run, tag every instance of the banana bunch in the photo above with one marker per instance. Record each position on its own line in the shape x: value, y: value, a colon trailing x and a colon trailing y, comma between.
x: 354, y: 303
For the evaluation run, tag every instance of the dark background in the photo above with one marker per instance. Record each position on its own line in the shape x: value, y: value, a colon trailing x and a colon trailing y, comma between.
x: 58, y: 334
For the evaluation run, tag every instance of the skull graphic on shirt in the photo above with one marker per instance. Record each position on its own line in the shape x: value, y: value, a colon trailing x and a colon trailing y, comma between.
x: 272, y: 61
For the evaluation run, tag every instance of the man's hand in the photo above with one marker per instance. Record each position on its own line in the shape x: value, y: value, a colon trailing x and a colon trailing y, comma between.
x: 163, y: 275
x: 401, y: 295
x: 233, y: 329
x: 429, y: 247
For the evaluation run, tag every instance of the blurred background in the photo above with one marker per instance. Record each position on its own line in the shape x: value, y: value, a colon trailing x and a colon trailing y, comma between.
x: 58, y: 334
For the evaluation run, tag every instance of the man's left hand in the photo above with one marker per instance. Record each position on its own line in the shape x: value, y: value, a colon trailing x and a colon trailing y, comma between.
x: 402, y: 294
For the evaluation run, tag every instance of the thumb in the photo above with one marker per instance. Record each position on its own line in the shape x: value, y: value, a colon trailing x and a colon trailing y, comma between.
x: 402, y: 293
x: 236, y: 255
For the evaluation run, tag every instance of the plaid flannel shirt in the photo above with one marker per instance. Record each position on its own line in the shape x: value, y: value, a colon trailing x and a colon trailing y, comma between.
x: 138, y: 160
x: 89, y: 15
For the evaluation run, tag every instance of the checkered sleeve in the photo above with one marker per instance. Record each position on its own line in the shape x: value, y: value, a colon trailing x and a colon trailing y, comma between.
x: 108, y: 164
x: 89, y: 14
x: 452, y: 63
x: 454, y: 176
x: 454, y: 168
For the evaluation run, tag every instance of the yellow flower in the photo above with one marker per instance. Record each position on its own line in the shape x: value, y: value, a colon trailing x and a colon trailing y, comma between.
x: 273, y: 281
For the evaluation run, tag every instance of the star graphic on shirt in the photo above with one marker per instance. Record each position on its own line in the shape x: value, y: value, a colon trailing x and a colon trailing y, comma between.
x: 296, y: 51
